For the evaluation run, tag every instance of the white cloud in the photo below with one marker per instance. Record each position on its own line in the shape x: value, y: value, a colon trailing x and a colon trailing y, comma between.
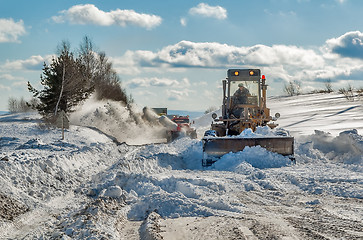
x: 148, y: 82
x: 22, y: 84
x: 32, y: 63
x: 349, y: 44
x: 177, y: 95
x: 215, y: 55
x: 282, y: 62
x: 10, y: 77
x: 183, y: 21
x: 185, y: 82
x: 6, y: 88
x: 146, y: 93
x: 90, y: 14
x: 205, y: 10
x: 10, y: 31
x: 211, y: 95
x: 202, y: 83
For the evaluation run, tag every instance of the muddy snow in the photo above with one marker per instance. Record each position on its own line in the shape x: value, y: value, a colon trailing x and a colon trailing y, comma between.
x: 98, y: 185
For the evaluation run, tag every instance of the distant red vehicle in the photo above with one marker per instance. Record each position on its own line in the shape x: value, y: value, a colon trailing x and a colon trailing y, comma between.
x: 183, y: 128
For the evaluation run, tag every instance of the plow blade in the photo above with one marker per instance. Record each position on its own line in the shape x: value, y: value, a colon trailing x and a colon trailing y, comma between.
x: 216, y: 147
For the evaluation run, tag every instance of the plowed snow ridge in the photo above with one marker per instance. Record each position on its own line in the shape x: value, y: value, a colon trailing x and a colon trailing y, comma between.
x: 88, y: 186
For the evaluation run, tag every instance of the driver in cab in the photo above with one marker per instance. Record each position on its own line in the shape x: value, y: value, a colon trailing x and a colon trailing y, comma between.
x: 240, y: 97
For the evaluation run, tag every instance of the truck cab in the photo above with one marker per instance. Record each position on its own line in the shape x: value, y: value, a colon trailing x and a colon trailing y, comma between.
x: 239, y: 113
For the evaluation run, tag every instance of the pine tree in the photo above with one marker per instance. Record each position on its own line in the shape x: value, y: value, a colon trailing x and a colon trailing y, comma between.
x: 69, y: 80
x: 65, y: 86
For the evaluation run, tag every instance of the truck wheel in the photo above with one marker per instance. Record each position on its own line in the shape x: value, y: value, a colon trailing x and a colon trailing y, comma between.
x: 175, y: 135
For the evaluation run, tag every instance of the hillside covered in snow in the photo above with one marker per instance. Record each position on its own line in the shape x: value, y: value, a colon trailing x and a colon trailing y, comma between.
x: 104, y: 182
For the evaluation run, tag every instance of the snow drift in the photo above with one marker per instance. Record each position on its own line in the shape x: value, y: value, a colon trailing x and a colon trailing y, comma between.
x: 86, y: 186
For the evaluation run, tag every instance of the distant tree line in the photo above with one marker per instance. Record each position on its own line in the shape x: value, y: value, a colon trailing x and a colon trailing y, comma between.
x: 293, y: 88
x: 72, y: 77
x: 20, y: 105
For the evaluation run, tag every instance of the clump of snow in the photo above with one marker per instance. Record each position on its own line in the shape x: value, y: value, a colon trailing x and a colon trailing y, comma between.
x: 263, y: 131
x: 347, y: 147
x: 257, y: 157
x: 113, y: 192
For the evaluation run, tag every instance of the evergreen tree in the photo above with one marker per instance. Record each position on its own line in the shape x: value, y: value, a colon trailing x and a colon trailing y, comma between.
x: 64, y: 84
x: 69, y: 80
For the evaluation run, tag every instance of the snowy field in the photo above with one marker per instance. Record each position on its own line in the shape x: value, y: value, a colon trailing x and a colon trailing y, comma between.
x: 93, y: 186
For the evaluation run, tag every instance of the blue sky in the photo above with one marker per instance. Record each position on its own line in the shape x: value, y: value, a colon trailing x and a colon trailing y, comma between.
x: 175, y: 53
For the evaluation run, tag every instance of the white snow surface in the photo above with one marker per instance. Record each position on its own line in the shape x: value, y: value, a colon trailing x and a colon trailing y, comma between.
x: 91, y: 186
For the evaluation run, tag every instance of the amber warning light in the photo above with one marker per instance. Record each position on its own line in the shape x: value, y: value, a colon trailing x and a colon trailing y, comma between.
x: 236, y: 73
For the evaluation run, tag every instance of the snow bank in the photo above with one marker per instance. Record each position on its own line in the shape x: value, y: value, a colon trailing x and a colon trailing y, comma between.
x: 264, y: 131
x: 347, y: 147
x: 257, y: 157
x: 86, y: 186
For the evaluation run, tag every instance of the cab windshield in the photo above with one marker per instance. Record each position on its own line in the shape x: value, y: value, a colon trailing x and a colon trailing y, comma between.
x: 251, y: 86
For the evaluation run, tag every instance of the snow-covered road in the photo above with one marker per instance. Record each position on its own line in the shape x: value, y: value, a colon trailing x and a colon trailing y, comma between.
x: 89, y: 187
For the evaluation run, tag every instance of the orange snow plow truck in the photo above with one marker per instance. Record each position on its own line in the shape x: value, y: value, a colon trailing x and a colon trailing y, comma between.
x: 183, y: 128
x: 243, y: 107
x: 177, y: 126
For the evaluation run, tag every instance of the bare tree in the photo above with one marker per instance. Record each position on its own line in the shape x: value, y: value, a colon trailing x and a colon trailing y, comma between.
x: 18, y: 105
x: 293, y: 88
x: 348, y: 93
x: 99, y: 70
x: 360, y: 92
x: 328, y: 86
x: 12, y: 105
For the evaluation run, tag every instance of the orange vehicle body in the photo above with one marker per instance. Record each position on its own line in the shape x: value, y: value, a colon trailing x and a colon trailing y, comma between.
x: 183, y: 129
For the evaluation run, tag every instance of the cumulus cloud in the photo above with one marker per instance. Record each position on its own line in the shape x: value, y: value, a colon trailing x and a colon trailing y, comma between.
x: 203, y: 9
x: 10, y: 30
x: 32, y: 63
x: 177, y: 95
x: 282, y: 62
x: 349, y: 44
x: 217, y: 55
x: 10, y: 77
x: 155, y: 82
x: 90, y: 14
